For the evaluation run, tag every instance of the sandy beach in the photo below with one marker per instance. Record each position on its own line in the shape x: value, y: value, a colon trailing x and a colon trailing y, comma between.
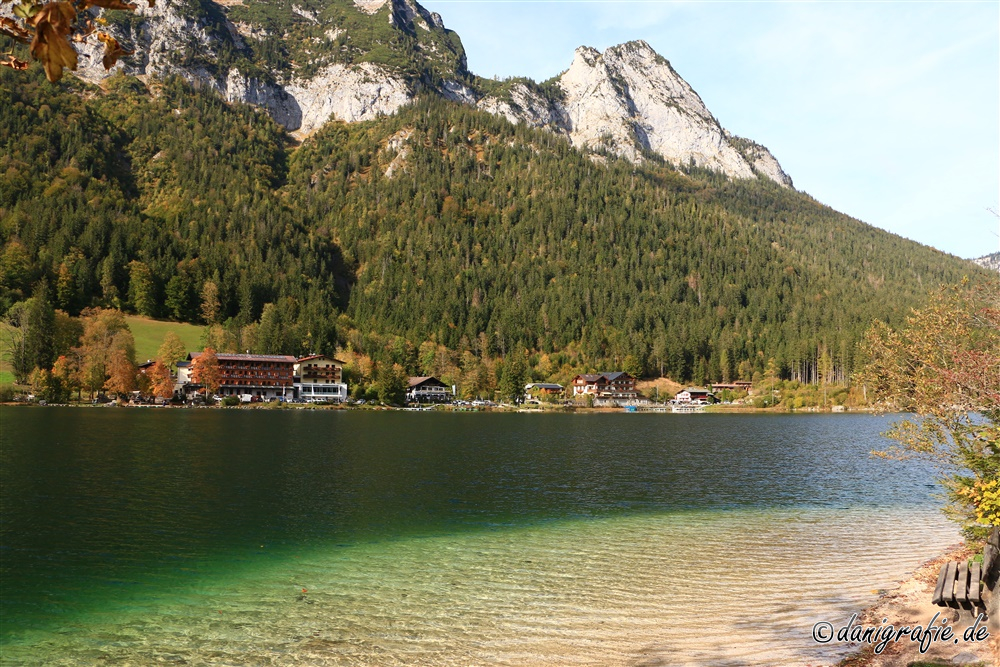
x: 909, y: 604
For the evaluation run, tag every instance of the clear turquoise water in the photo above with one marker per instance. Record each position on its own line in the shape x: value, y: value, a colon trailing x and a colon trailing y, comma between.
x: 187, y: 536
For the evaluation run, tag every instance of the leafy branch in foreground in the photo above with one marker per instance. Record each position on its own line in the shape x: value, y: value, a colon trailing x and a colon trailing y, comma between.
x: 944, y: 366
x: 49, y: 27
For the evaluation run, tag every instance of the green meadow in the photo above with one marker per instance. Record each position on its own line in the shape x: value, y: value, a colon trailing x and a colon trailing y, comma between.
x: 149, y: 334
x: 6, y: 374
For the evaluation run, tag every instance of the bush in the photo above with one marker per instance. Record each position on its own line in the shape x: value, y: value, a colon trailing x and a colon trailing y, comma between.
x: 943, y: 367
x: 230, y: 401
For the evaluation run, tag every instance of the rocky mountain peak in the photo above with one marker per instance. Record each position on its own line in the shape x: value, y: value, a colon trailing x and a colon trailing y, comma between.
x: 629, y: 100
x: 409, y: 15
x: 402, y: 12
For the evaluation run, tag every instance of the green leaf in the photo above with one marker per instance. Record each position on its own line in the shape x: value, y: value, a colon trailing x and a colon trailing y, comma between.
x: 26, y: 10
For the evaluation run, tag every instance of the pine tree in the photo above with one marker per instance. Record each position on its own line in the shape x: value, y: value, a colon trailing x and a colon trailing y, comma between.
x: 390, y: 384
x: 141, y: 289
x: 513, y: 377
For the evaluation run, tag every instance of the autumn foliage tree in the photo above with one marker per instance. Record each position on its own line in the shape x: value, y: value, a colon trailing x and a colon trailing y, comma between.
x: 160, y: 383
x: 944, y: 366
x: 121, y: 371
x: 106, y: 347
x: 205, y: 371
x: 50, y: 27
x: 67, y: 372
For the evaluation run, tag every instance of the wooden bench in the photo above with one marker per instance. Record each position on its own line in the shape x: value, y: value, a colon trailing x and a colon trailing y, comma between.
x: 960, y: 585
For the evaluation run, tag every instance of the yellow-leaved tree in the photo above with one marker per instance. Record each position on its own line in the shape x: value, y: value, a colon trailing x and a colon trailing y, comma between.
x: 171, y: 351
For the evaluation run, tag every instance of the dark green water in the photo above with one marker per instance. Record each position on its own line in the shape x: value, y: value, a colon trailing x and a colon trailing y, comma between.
x: 137, y: 535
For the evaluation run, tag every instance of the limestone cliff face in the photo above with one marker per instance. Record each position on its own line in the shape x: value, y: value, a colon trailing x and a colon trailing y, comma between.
x: 351, y: 94
x: 337, y: 92
x: 627, y: 100
x: 991, y: 262
x: 169, y: 41
x: 522, y: 104
x: 163, y: 32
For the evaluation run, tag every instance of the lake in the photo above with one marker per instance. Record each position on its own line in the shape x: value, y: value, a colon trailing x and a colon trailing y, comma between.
x: 310, y: 537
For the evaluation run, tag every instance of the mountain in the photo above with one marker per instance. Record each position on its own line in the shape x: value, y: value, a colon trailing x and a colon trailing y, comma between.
x: 453, y: 221
x: 354, y: 61
x: 991, y: 261
x: 630, y: 101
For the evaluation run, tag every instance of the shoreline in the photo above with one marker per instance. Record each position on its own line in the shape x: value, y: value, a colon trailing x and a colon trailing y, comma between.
x: 909, y: 604
x: 440, y: 408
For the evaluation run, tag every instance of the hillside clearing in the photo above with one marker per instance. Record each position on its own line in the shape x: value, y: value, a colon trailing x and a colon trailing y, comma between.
x: 149, y: 334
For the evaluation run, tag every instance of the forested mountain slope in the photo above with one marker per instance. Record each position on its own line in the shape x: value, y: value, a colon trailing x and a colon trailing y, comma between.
x: 439, y: 223
x: 459, y: 223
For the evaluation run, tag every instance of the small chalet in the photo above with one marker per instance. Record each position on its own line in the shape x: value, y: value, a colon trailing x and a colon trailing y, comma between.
x: 695, y: 395
x: 543, y: 388
x: 428, y: 390
x: 319, y: 378
x: 617, y: 384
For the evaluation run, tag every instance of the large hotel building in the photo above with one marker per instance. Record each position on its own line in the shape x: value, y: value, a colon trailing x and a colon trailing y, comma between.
x: 264, y: 375
x: 269, y: 376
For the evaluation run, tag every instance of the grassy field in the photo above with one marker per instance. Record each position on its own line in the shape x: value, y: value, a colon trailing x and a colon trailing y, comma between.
x: 6, y: 375
x: 148, y: 338
x: 149, y: 335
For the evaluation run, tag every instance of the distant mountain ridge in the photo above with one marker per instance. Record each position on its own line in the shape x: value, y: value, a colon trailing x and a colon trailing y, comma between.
x: 311, y: 62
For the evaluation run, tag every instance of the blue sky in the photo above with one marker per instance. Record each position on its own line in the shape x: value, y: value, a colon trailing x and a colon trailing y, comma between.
x: 887, y: 111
